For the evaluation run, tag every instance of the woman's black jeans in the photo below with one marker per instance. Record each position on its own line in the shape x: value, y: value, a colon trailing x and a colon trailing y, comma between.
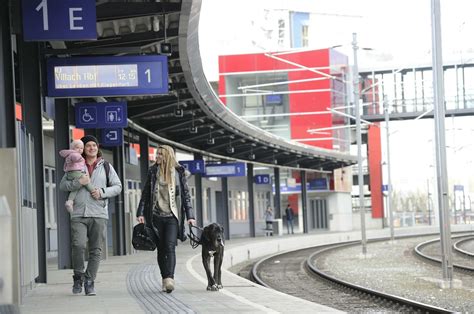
x: 168, y: 238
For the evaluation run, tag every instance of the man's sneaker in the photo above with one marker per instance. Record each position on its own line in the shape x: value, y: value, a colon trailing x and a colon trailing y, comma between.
x: 89, y: 287
x: 77, y: 286
x: 168, y: 284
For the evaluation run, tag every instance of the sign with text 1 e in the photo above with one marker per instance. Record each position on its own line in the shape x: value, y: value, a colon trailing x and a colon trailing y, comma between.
x: 107, y: 76
x: 45, y: 20
x: 193, y: 166
x: 101, y: 115
x: 112, y: 137
x: 236, y: 169
x: 262, y: 179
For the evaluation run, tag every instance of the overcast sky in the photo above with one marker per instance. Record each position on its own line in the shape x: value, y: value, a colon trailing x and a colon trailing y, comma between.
x: 399, y: 31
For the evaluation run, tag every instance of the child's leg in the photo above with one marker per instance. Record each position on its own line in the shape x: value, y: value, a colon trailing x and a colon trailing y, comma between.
x: 90, y: 187
x: 71, y: 175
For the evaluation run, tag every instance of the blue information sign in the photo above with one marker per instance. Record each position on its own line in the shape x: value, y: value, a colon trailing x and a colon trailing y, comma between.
x: 107, y: 76
x: 318, y: 184
x: 45, y: 20
x: 112, y: 137
x: 262, y: 179
x: 236, y: 169
x: 101, y: 115
x: 194, y: 166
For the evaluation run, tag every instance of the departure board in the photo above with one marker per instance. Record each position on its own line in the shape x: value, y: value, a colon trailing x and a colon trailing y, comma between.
x: 107, y: 76
x: 95, y: 76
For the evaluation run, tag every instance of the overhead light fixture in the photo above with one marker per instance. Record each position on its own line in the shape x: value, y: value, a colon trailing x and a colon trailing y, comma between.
x: 210, y: 139
x: 252, y: 156
x: 193, y: 129
x: 230, y: 149
x: 178, y: 112
x: 275, y: 161
x: 165, y: 49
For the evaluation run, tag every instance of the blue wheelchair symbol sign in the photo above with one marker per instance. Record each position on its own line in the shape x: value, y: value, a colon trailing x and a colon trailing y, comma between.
x: 88, y: 115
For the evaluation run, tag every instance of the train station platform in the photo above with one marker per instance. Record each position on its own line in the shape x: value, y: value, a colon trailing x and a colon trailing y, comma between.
x: 132, y: 283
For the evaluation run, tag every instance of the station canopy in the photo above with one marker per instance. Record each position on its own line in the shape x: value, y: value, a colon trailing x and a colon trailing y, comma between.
x: 190, y: 114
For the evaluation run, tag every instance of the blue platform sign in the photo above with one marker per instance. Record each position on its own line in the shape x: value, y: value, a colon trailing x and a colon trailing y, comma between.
x: 45, y: 20
x: 262, y: 179
x: 236, y: 169
x: 107, y: 76
x: 112, y: 137
x: 318, y: 184
x: 194, y: 166
x: 101, y: 115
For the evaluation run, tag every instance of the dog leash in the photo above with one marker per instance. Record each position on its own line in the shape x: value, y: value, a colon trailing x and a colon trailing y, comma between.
x: 194, y: 238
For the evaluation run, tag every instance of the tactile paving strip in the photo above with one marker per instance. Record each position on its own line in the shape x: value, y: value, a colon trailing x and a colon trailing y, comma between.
x: 144, y: 285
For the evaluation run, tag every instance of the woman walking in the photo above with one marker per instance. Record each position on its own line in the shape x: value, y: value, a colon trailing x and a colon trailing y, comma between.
x: 165, y: 201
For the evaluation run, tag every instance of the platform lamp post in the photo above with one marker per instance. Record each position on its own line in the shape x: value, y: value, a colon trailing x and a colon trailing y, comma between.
x: 355, y: 74
x: 441, y: 166
x: 389, y: 191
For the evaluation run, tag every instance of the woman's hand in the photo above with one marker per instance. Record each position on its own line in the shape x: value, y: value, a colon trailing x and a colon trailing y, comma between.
x: 141, y: 219
x: 192, y: 222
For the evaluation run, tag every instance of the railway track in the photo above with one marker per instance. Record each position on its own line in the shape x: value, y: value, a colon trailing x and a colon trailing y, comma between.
x: 295, y: 273
x: 460, y: 244
x: 462, y: 260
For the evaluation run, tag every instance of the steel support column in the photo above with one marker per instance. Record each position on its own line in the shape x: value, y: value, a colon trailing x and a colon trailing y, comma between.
x: 250, y: 189
x: 225, y: 207
x: 63, y: 220
x: 30, y: 82
x: 198, y: 185
x: 119, y: 243
x: 304, y: 205
x: 144, y: 162
x: 7, y: 89
x: 277, y: 200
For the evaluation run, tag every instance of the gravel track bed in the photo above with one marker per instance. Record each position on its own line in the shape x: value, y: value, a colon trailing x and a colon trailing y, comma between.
x: 286, y: 273
x: 434, y: 250
x: 393, y: 268
x: 468, y: 246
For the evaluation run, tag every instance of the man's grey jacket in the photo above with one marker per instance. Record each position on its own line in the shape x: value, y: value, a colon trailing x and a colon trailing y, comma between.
x: 84, y: 204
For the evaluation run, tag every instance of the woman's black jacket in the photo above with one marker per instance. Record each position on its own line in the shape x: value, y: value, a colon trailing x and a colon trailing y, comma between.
x: 147, y: 201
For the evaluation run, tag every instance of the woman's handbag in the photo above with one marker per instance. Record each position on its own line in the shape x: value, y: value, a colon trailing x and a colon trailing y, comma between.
x: 142, y: 240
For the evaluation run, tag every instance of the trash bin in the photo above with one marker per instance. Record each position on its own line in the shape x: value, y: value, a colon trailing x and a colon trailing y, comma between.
x: 277, y: 227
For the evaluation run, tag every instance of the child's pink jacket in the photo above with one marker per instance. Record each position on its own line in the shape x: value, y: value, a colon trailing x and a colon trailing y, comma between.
x: 74, y: 160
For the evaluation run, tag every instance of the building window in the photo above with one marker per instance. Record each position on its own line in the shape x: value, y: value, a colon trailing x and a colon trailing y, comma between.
x: 207, y: 217
x: 238, y: 205
x: 281, y: 32
x: 50, y: 197
x: 304, y: 36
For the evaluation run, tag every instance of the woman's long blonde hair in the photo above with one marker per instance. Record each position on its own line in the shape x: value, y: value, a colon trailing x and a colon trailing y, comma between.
x: 168, y: 163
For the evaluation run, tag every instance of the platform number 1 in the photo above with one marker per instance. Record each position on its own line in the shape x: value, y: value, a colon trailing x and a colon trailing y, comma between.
x: 148, y: 75
x: 44, y: 6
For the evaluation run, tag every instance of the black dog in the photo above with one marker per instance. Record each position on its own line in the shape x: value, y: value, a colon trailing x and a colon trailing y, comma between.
x: 212, y: 241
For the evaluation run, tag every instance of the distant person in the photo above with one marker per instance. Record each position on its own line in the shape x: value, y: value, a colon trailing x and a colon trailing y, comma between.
x: 90, y: 214
x: 289, y: 218
x: 75, y: 167
x: 165, y: 198
x: 268, y: 215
